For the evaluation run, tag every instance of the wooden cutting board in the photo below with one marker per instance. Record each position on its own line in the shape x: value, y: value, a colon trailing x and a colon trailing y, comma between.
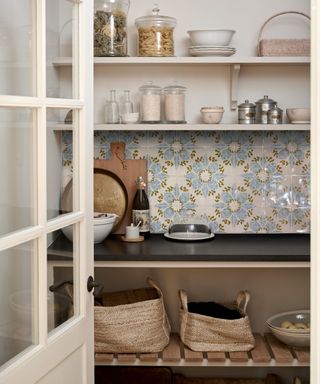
x: 128, y: 171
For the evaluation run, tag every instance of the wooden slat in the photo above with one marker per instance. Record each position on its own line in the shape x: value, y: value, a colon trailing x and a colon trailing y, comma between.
x: 238, y: 357
x: 103, y: 357
x: 127, y: 357
x: 192, y: 356
x: 216, y: 357
x: 172, y: 351
x: 281, y: 353
x: 260, y: 353
x: 149, y: 357
x: 303, y: 355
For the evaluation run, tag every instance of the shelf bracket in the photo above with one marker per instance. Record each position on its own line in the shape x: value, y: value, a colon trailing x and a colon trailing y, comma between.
x: 234, y: 77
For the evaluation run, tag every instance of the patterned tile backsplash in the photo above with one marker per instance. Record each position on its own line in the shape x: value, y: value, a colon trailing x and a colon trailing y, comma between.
x: 253, y: 182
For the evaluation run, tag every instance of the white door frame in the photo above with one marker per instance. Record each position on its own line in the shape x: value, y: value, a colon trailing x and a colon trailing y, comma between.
x: 37, y: 361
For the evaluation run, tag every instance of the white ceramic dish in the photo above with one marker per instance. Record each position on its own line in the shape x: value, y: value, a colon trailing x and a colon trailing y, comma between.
x: 189, y: 236
x: 130, y: 118
x: 212, y: 115
x: 294, y: 340
x: 211, y: 36
x: 298, y: 115
x: 210, y: 53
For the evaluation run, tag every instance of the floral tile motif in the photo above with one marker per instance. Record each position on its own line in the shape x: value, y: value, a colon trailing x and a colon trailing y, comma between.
x: 255, y: 182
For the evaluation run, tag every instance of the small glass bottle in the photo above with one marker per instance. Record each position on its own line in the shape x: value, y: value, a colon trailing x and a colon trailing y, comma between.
x: 141, y: 209
x: 111, y: 115
x: 126, y: 105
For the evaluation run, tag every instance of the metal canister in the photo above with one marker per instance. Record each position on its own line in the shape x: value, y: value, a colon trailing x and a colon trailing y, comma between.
x: 275, y: 115
x: 263, y: 106
x: 246, y: 113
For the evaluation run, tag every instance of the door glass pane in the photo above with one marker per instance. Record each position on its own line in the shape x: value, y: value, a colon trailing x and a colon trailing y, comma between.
x: 59, y: 162
x: 17, y: 49
x: 61, y: 300
x: 18, y: 300
x: 59, y: 45
x: 17, y: 163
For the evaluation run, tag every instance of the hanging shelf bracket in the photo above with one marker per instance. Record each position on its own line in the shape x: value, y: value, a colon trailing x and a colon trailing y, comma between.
x: 234, y: 84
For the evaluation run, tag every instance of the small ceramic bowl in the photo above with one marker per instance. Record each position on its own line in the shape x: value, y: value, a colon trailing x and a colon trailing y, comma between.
x: 130, y: 118
x: 212, y: 115
x: 298, y: 115
x: 216, y: 37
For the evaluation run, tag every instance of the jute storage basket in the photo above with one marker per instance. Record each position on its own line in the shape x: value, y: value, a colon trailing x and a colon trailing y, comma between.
x: 132, y: 321
x: 209, y: 334
x: 283, y: 47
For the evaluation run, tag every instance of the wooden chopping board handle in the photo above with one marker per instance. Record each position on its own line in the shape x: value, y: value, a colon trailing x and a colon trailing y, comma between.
x: 117, y: 152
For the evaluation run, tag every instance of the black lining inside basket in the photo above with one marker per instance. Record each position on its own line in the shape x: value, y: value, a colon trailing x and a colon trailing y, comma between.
x: 213, y: 309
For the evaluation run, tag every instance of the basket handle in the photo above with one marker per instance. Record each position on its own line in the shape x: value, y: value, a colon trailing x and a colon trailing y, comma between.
x: 242, y: 300
x: 154, y: 285
x: 273, y: 17
x: 183, y: 299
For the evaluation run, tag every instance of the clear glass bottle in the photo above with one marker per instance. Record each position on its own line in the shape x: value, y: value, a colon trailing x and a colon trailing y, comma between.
x: 110, y: 27
x: 126, y: 104
x: 141, y: 209
x: 111, y: 115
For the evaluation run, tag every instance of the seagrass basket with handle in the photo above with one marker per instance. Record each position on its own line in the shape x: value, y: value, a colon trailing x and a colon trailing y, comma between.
x: 131, y: 321
x: 210, y: 334
x: 283, y: 47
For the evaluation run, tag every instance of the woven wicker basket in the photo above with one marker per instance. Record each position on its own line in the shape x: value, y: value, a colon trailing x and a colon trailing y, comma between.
x: 204, y: 333
x: 283, y: 47
x: 138, y: 324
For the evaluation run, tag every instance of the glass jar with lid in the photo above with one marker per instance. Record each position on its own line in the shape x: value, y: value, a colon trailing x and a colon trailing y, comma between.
x: 155, y: 34
x: 174, y: 101
x: 110, y: 27
x: 150, y: 103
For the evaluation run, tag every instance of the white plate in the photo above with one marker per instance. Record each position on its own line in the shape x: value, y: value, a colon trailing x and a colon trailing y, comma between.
x: 189, y: 236
x: 210, y: 53
x: 300, y: 122
x: 211, y: 47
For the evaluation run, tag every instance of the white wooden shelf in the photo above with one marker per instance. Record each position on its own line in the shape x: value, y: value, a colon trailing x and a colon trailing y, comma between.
x: 268, y: 352
x: 67, y: 61
x: 201, y: 127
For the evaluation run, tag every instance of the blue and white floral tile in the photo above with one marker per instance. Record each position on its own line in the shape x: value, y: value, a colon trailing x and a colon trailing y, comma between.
x: 158, y: 176
x: 292, y: 219
x: 301, y: 191
x: 263, y: 223
x: 280, y: 192
x: 301, y: 221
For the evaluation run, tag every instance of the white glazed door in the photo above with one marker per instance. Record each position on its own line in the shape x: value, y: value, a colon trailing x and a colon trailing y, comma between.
x: 46, y: 188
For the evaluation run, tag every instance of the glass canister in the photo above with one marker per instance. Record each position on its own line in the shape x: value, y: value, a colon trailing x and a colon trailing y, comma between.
x: 174, y: 100
x: 262, y: 107
x: 155, y: 34
x: 110, y: 27
x: 150, y: 103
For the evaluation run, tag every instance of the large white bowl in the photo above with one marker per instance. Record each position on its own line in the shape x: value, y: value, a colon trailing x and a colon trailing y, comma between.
x: 292, y: 337
x: 298, y: 115
x: 217, y: 37
x: 102, y: 228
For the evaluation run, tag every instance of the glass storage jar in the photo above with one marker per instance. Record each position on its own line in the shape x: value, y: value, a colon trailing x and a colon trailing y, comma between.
x: 174, y: 99
x: 150, y: 103
x: 155, y: 34
x: 110, y: 27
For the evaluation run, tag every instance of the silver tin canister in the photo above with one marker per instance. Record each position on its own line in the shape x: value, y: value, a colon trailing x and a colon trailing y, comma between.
x: 246, y: 113
x: 275, y: 115
x: 263, y: 106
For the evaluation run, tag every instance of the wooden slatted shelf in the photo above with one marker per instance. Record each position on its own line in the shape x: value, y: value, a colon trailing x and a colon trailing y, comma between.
x: 268, y: 351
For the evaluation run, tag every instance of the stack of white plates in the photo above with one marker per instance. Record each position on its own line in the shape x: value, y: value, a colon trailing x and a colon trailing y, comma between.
x: 211, y: 50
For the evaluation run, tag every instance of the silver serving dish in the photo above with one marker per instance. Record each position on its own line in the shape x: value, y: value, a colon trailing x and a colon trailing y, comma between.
x: 189, y: 228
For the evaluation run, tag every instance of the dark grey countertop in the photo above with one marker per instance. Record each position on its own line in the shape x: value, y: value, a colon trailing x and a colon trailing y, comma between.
x: 224, y: 247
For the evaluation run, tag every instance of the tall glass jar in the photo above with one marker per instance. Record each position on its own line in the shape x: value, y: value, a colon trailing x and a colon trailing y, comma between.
x: 174, y: 100
x: 150, y: 103
x: 110, y: 27
x: 155, y: 34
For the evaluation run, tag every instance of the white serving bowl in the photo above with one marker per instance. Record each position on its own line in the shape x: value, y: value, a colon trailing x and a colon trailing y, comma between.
x: 130, y: 118
x: 217, y: 37
x: 298, y: 115
x: 292, y: 337
x: 102, y: 227
x: 212, y: 115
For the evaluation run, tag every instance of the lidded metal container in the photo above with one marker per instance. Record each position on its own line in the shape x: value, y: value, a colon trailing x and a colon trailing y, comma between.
x: 246, y: 113
x: 155, y: 34
x: 110, y: 27
x: 262, y: 107
x: 275, y: 115
x: 174, y: 100
x: 150, y: 103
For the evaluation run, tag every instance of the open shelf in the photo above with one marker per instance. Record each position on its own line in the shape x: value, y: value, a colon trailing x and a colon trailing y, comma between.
x: 268, y: 352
